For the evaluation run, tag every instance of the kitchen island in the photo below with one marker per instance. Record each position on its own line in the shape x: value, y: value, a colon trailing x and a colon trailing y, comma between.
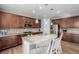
x: 37, y: 43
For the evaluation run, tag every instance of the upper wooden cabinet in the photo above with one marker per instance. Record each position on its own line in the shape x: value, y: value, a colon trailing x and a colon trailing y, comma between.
x: 24, y: 20
x: 70, y: 22
x: 58, y: 21
x: 65, y: 22
x: 8, y: 20
x: 76, y: 22
x: 36, y: 25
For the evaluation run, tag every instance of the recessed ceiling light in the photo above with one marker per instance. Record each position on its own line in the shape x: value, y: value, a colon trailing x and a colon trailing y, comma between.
x: 51, y: 9
x: 33, y: 11
x: 58, y: 12
x: 46, y: 4
x: 40, y: 8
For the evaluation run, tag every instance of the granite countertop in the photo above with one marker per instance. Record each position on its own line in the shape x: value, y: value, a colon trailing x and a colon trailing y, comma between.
x: 14, y: 34
x: 11, y: 32
x: 39, y: 37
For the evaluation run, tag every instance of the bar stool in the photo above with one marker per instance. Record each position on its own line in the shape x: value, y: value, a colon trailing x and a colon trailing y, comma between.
x: 56, y: 45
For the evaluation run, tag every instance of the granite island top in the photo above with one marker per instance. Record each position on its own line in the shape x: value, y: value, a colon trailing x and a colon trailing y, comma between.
x: 39, y: 37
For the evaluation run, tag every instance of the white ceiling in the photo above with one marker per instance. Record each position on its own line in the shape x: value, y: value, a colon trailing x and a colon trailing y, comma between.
x: 34, y: 11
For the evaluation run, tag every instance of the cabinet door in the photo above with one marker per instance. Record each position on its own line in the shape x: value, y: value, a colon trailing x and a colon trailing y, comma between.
x: 0, y: 44
x: 22, y: 21
x: 67, y: 37
x: 7, y: 42
x: 63, y: 23
x: 58, y: 21
x: 76, y: 22
x: 9, y: 21
x: 70, y: 22
x: 0, y: 19
x: 14, y: 22
x: 76, y: 38
x: 4, y: 42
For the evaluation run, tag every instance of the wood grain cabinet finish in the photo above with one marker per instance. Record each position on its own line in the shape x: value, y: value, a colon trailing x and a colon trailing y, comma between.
x: 63, y: 23
x: 24, y: 20
x: 8, y: 42
x: 70, y: 22
x: 67, y: 37
x: 66, y: 22
x: 76, y: 22
x: 71, y: 37
x: 8, y: 20
x: 58, y: 21
x: 76, y: 38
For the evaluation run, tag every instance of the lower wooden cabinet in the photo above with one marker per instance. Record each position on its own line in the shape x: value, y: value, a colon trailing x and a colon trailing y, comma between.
x: 76, y: 38
x: 11, y: 41
x: 67, y: 37
x: 71, y: 37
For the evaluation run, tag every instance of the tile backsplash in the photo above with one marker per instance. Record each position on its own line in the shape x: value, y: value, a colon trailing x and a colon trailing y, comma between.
x: 72, y: 30
x: 16, y: 31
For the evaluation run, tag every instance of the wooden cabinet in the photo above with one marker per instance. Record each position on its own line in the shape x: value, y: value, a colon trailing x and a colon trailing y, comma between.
x: 76, y: 22
x: 24, y: 20
x: 65, y: 22
x: 0, y: 44
x: 61, y: 22
x: 11, y: 41
x: 57, y: 21
x: 71, y: 37
x: 8, y: 20
x: 76, y: 38
x: 36, y: 25
x: 0, y: 19
x: 67, y: 37
x: 70, y: 22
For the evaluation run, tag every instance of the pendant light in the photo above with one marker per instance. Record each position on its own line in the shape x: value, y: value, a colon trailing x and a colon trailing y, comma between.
x: 36, y: 21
